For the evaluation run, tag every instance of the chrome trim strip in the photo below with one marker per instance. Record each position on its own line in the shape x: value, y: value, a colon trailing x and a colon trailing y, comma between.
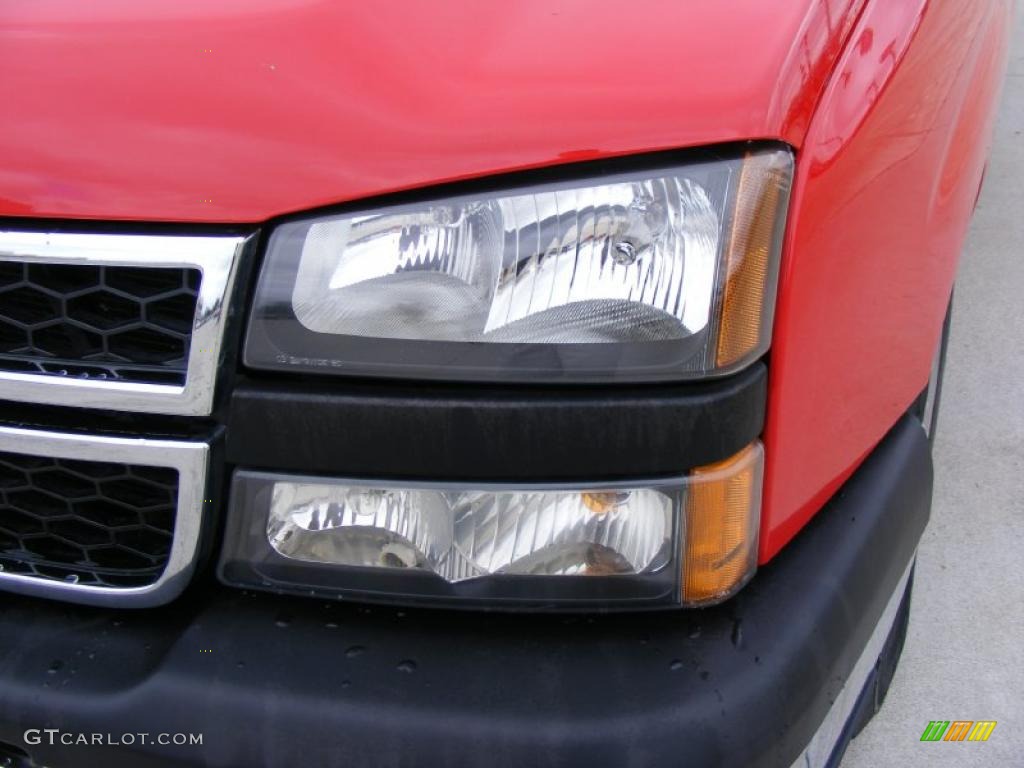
x: 928, y: 412
x: 822, y: 744
x: 190, y: 459
x: 216, y: 256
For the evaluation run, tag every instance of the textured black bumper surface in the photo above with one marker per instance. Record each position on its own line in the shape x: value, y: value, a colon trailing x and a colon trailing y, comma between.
x: 493, y: 433
x: 274, y: 681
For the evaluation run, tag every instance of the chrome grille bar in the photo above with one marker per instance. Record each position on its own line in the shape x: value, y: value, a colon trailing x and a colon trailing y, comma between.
x: 215, y: 256
x: 190, y: 459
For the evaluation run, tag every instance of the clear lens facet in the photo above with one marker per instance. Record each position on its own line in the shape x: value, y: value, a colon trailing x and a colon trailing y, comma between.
x: 360, y: 526
x: 595, y: 532
x: 506, y: 283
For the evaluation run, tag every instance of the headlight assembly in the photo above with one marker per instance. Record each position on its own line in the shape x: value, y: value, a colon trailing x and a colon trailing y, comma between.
x: 665, y: 273
x: 661, y: 273
x: 689, y: 540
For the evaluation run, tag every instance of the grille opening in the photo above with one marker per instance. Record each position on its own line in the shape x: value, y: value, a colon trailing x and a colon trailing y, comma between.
x: 97, y: 322
x: 84, y: 522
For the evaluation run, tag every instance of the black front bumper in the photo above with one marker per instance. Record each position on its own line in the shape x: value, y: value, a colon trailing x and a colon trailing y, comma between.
x: 278, y: 681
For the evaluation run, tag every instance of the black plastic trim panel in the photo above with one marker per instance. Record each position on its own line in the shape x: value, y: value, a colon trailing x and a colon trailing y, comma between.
x: 286, y: 681
x: 378, y: 430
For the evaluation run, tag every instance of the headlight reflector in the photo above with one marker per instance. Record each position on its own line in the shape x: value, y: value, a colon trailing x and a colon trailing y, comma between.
x: 632, y: 276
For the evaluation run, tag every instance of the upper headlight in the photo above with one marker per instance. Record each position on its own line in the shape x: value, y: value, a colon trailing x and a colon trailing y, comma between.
x: 655, y: 274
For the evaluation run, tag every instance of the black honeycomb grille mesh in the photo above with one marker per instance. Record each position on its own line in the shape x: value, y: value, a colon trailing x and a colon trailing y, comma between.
x: 97, y: 322
x: 85, y: 522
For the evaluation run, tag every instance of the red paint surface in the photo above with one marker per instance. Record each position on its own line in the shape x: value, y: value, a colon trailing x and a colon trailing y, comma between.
x: 886, y: 184
x: 240, y: 110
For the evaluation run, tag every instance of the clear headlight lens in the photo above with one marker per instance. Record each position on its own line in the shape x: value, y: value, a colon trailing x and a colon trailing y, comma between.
x: 462, y: 535
x: 652, y: 274
x: 690, y: 540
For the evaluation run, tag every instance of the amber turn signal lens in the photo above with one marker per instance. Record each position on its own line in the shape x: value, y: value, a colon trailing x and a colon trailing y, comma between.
x: 722, y: 520
x: 748, y: 298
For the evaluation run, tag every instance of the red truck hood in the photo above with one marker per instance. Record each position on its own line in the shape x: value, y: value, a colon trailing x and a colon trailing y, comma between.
x: 240, y: 110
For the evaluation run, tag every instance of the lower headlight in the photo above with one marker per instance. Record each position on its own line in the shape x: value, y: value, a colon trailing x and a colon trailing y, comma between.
x: 690, y: 540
